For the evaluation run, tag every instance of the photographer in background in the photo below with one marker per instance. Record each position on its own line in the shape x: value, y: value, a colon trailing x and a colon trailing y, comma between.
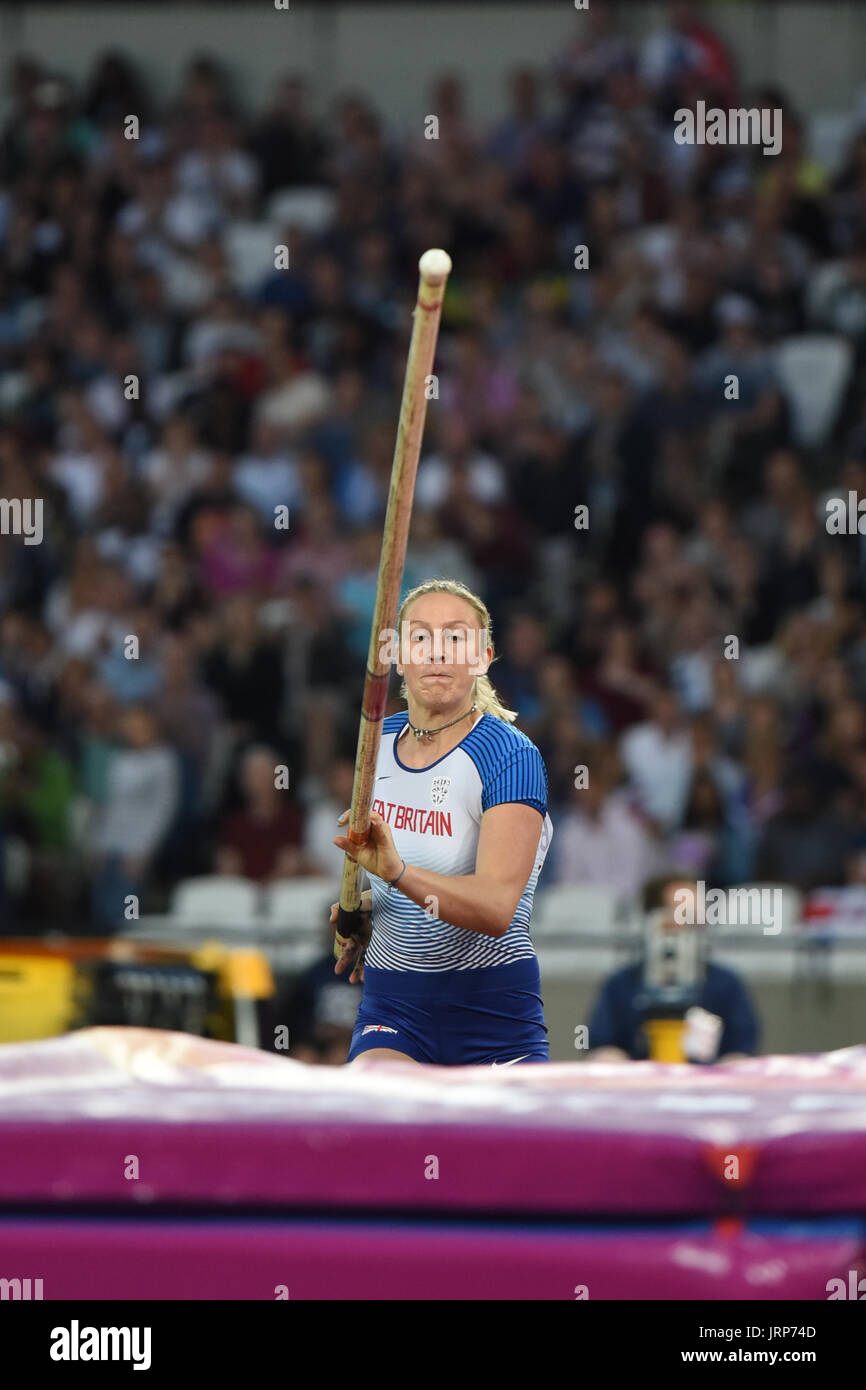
x: 730, y: 1029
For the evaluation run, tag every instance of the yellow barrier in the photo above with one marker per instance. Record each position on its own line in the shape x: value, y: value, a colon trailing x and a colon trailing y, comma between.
x: 37, y: 997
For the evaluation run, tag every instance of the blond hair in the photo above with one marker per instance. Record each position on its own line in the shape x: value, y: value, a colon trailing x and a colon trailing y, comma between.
x: 483, y: 693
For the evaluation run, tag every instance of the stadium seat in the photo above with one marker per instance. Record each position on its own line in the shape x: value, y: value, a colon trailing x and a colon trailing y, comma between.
x: 837, y: 913
x: 300, y: 904
x: 216, y: 899
x: 792, y: 909
x: 566, y: 910
x: 310, y: 209
x: 756, y: 965
x: 846, y: 965
x: 577, y: 964
x: 631, y: 919
x: 814, y: 370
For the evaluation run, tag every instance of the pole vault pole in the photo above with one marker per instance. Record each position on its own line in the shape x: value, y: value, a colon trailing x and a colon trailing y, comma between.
x: 434, y: 268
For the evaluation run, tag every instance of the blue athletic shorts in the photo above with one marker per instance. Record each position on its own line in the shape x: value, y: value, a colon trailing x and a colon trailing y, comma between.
x: 454, y: 1018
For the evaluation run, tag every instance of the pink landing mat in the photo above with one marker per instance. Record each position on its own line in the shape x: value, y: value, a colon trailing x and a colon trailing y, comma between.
x: 126, y: 1118
x: 84, y: 1258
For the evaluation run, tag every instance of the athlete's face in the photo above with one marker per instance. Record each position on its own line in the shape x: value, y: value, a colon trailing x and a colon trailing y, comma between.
x: 443, y: 649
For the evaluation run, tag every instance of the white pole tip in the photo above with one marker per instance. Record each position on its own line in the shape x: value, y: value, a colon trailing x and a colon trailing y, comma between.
x: 435, y: 266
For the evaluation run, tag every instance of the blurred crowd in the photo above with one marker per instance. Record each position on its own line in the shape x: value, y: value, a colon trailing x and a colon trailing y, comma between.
x: 165, y: 403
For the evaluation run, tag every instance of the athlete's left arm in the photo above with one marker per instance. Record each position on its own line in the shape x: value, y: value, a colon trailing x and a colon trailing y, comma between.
x: 484, y: 901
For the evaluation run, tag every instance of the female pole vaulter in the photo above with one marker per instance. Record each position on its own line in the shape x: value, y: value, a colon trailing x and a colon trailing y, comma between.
x: 459, y: 833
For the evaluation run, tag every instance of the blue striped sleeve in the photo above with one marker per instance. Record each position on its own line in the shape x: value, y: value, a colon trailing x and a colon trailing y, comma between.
x: 522, y: 777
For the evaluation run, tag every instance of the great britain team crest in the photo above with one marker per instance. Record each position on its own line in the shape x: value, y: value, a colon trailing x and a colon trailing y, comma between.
x: 439, y: 789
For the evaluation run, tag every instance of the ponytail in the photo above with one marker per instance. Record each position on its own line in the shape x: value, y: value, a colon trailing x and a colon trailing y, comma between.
x: 489, y: 702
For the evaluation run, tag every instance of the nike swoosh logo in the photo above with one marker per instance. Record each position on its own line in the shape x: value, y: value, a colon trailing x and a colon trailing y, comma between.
x: 383, y: 779
x: 512, y: 1062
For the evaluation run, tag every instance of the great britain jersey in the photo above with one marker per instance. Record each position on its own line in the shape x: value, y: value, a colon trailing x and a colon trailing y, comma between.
x: 435, y: 818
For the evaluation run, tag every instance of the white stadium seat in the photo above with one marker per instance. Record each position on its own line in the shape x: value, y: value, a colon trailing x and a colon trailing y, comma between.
x: 221, y: 900
x: 300, y: 904
x: 791, y: 914
x: 567, y: 910
x: 756, y: 965
x: 578, y: 963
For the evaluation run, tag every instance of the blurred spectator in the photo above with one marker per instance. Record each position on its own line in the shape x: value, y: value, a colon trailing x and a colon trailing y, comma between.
x: 806, y: 842
x: 244, y: 670
x: 657, y: 756
x: 687, y: 55
x: 621, y: 683
x: 264, y: 840
x: 322, y: 816
x: 525, y: 123
x: 285, y: 142
x: 600, y: 839
x: 457, y: 457
x: 36, y: 792
x: 140, y: 801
